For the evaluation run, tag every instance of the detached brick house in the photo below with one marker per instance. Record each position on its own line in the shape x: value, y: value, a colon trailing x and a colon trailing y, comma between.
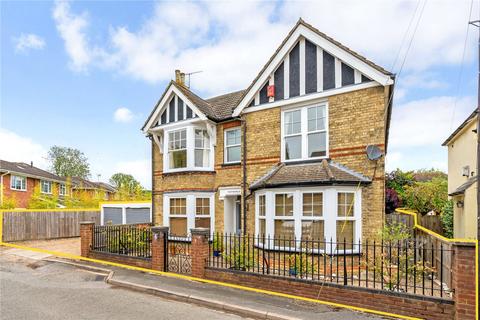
x: 284, y: 157
x: 19, y: 180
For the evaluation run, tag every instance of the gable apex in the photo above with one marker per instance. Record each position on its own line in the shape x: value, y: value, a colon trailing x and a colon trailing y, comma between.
x: 346, y: 60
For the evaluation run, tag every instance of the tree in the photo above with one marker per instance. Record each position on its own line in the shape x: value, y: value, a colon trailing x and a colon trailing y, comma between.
x: 427, y: 196
x: 68, y: 162
x: 124, y: 181
x: 128, y: 188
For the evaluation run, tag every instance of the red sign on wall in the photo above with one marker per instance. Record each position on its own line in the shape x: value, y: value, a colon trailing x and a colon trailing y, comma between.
x: 271, y: 91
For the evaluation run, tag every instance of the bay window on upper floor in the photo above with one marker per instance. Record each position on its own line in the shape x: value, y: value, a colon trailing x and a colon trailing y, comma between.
x: 188, y: 148
x: 305, y: 133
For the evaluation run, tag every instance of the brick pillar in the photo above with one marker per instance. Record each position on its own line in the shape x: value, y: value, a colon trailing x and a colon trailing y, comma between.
x: 463, y: 280
x: 159, y: 242
x: 86, y: 237
x: 199, y: 251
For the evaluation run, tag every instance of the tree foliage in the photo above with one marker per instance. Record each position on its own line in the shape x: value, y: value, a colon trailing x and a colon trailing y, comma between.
x: 427, y: 196
x: 128, y: 188
x: 68, y: 162
x: 447, y: 219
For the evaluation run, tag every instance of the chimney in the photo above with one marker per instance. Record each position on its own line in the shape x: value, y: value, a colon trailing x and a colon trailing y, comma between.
x: 179, y: 77
x: 182, y: 78
x: 31, y: 164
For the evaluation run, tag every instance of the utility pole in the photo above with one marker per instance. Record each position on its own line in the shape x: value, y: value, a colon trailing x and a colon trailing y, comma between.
x: 476, y: 23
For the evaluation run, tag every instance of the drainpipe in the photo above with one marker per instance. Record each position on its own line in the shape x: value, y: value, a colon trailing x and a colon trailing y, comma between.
x: 1, y: 184
x: 244, y: 173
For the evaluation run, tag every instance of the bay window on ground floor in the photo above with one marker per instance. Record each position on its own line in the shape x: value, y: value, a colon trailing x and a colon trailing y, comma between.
x: 185, y: 211
x: 312, y: 215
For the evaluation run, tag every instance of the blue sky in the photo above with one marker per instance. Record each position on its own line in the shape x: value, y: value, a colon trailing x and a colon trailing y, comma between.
x: 68, y: 67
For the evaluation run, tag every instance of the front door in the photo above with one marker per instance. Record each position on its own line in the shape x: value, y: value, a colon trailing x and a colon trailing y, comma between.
x: 238, y: 219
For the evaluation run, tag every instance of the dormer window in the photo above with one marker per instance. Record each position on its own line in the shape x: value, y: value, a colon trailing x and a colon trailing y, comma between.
x: 305, y: 133
x: 188, y: 149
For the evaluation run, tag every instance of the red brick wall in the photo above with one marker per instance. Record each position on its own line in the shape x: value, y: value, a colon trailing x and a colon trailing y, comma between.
x: 21, y: 197
x: 423, y: 307
x: 464, y: 280
x: 131, y: 261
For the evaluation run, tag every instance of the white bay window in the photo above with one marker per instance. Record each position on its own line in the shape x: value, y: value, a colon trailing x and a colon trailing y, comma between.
x: 184, y: 211
x: 305, y: 133
x: 187, y: 148
x: 315, y: 214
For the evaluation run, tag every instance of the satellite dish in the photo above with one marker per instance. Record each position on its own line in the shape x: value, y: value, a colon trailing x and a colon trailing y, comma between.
x: 373, y: 152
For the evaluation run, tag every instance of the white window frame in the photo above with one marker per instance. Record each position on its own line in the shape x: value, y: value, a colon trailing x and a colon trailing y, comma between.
x: 329, y: 216
x: 46, y: 183
x: 304, y: 131
x: 62, y: 189
x: 190, y: 147
x: 191, y: 209
x: 226, y: 146
x: 23, y: 183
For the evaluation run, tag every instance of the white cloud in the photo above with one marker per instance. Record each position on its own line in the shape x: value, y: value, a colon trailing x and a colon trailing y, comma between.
x: 230, y: 41
x: 123, y: 115
x: 29, y: 41
x: 427, y: 122
x: 16, y: 148
x: 139, y: 169
x: 73, y: 30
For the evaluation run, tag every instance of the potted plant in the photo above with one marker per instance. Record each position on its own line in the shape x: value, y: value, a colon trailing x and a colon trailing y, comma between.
x: 217, y: 245
x: 299, y: 263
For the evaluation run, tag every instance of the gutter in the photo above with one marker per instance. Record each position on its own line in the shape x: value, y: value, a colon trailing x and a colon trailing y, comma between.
x: 1, y: 184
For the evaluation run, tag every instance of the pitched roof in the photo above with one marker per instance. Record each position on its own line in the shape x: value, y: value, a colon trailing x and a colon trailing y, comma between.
x: 28, y: 170
x: 461, y: 189
x: 316, y: 173
x: 323, y: 35
x: 80, y: 183
x: 217, y: 108
x: 463, y: 125
x: 221, y: 108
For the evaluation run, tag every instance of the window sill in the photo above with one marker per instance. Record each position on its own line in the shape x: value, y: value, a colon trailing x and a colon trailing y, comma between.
x: 231, y: 164
x: 302, y: 161
x: 333, y: 251
x: 22, y: 190
x: 188, y: 172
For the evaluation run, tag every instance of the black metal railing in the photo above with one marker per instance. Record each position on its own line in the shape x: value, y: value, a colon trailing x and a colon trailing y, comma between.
x: 133, y: 240
x: 409, y: 265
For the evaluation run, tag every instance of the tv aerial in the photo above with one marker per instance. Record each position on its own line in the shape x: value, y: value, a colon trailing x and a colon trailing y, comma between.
x: 373, y: 152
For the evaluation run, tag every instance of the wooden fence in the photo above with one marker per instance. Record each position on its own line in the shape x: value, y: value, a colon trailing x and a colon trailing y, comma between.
x: 433, y: 223
x: 433, y: 243
x: 42, y: 225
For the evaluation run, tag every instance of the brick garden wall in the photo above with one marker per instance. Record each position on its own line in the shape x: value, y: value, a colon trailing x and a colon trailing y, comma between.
x: 423, y: 307
x: 131, y: 261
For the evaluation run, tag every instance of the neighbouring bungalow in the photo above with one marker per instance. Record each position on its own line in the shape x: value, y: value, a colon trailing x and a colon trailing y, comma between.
x: 285, y: 157
x: 462, y: 177
x: 20, y: 180
x: 93, y: 189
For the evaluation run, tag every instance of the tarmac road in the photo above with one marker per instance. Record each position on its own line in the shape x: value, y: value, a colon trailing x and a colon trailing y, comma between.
x: 37, y: 289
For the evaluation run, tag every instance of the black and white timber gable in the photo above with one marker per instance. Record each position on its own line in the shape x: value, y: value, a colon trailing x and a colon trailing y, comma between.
x: 309, y: 64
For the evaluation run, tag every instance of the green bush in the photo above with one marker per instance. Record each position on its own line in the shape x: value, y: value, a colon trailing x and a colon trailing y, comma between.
x: 447, y: 219
x: 427, y: 196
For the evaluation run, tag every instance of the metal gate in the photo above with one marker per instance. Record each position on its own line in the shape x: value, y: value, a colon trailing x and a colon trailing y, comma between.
x: 178, y: 257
